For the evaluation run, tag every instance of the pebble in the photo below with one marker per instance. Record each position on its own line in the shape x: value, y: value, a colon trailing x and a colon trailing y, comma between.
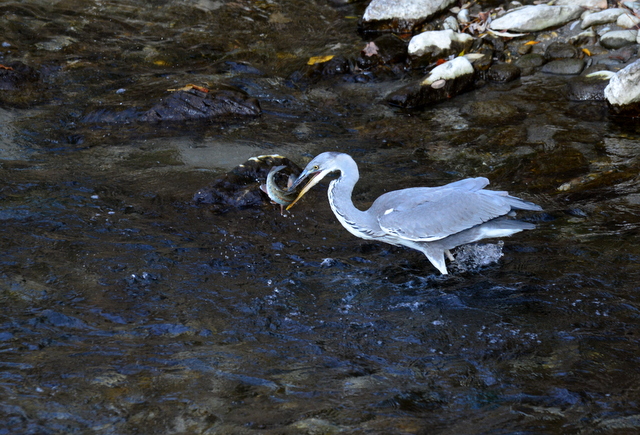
x: 564, y: 67
x: 618, y: 38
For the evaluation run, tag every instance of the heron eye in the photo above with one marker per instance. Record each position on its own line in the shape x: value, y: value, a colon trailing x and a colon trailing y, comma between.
x: 316, y: 167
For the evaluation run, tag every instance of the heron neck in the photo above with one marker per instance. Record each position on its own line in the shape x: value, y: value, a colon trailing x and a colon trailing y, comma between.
x: 340, y: 191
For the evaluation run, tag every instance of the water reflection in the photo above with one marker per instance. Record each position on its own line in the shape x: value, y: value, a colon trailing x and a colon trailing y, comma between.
x: 127, y: 309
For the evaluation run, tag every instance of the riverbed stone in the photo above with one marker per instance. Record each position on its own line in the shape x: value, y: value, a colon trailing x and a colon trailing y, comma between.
x: 602, y: 17
x: 628, y: 21
x: 623, y: 91
x: 503, y: 72
x: 587, y: 88
x: 564, y: 67
x: 14, y: 75
x: 384, y: 50
x: 400, y: 15
x: 492, y: 112
x: 560, y: 50
x: 438, y: 44
x: 536, y: 18
x: 193, y: 104
x: 529, y: 62
x: 618, y: 38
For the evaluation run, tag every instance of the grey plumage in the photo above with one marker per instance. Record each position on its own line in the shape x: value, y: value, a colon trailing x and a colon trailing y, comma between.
x: 432, y: 220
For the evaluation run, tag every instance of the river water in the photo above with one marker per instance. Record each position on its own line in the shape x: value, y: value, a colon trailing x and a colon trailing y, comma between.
x: 127, y: 309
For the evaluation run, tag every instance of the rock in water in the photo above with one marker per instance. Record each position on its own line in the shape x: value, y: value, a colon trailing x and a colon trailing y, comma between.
x: 536, y: 18
x: 443, y: 82
x: 400, y: 15
x: 623, y: 92
x: 240, y: 188
x: 194, y: 104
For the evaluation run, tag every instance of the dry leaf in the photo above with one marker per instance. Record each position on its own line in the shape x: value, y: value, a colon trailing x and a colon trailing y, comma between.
x: 319, y: 59
x: 371, y: 49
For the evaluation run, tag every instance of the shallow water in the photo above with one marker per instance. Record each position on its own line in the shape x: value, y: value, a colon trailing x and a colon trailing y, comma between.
x: 127, y: 309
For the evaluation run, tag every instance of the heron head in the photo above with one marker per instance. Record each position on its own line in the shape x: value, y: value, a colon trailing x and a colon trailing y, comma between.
x: 317, y: 169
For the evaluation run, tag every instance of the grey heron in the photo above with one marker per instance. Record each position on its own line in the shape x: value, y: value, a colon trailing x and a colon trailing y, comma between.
x: 432, y: 220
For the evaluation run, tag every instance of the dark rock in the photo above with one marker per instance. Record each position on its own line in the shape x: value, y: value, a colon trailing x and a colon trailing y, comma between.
x: 389, y: 49
x: 564, y: 67
x: 16, y: 74
x: 240, y: 188
x: 493, y: 112
x: 530, y: 61
x: 185, y: 105
x: 586, y: 89
x: 560, y: 50
x: 197, y: 105
x: 503, y: 73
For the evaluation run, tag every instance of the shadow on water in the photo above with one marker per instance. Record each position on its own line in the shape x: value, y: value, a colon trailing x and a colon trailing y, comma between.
x: 128, y: 309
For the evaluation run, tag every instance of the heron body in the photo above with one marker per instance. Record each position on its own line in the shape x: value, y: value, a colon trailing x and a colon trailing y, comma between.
x: 432, y: 220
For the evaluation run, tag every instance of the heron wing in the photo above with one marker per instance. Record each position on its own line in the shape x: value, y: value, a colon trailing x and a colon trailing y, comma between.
x: 428, y: 214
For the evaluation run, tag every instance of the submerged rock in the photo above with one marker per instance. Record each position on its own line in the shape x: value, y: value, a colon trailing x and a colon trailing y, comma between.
x: 240, y: 188
x: 588, y: 88
x: 14, y: 75
x: 400, y: 15
x: 186, y: 105
x: 194, y: 104
x: 536, y: 18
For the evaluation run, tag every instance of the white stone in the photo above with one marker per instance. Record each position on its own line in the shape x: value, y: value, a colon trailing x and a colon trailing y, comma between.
x: 403, y: 9
x: 449, y: 70
x: 602, y: 17
x: 627, y: 21
x: 535, y: 18
x: 624, y: 87
x: 611, y: 39
x: 441, y: 39
x: 450, y: 23
x: 589, y: 4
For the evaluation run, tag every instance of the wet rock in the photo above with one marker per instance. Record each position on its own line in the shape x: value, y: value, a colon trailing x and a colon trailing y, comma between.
x: 503, y: 73
x: 602, y: 17
x: 536, y: 18
x: 240, y: 188
x: 564, y: 67
x: 492, y: 112
x: 384, y: 50
x: 400, y: 16
x: 197, y: 105
x: 618, y: 38
x: 623, y: 92
x: 438, y: 44
x: 587, y: 88
x: 14, y: 75
x: 529, y: 62
x: 560, y: 50
x: 185, y: 105
x: 443, y: 82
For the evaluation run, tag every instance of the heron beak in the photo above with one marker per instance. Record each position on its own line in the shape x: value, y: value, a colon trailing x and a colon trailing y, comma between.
x: 315, y: 179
